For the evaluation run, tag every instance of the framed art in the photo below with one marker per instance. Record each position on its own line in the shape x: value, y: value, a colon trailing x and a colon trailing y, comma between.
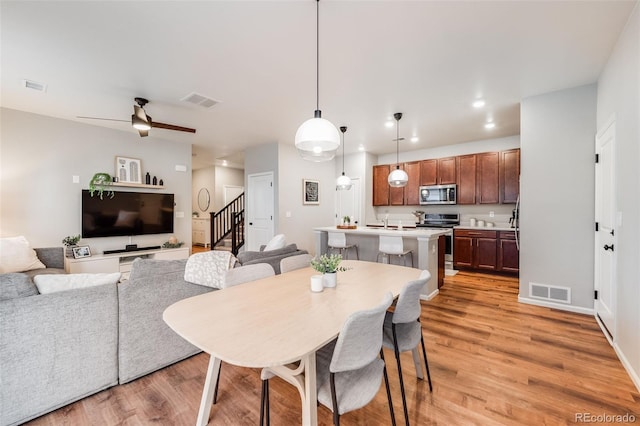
x: 128, y: 170
x: 81, y: 251
x: 310, y: 191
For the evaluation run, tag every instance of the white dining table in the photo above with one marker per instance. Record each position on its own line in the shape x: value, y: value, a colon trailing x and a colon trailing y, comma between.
x: 277, y: 322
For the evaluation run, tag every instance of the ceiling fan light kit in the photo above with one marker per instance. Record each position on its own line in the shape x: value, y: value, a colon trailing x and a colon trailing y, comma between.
x: 398, y: 177
x: 343, y: 182
x: 317, y: 139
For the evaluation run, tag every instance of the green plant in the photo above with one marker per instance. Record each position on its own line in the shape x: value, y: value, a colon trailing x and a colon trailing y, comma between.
x: 328, y: 264
x: 99, y: 183
x: 346, y: 220
x: 71, y: 240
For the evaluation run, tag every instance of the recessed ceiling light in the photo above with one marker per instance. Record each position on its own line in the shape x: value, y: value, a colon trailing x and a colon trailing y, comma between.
x: 490, y: 125
x: 360, y: 147
x: 389, y: 124
x: 478, y: 103
x: 415, y: 139
x: 224, y: 162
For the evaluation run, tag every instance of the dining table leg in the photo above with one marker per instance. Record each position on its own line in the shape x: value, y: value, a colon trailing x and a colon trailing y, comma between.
x: 208, y: 391
x: 310, y: 401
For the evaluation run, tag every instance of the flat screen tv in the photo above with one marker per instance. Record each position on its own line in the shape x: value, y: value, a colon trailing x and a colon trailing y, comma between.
x: 126, y: 214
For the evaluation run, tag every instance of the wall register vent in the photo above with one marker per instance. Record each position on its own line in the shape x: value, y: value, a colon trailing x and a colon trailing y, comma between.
x: 550, y: 292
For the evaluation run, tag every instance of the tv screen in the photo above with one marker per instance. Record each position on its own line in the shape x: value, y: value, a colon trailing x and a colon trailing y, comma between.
x: 126, y: 214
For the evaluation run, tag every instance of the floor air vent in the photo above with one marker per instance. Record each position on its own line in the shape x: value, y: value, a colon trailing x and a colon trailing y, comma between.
x: 550, y: 292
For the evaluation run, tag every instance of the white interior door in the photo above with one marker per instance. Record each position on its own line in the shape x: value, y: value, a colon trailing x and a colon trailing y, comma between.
x: 605, y: 255
x: 348, y: 202
x: 260, y: 207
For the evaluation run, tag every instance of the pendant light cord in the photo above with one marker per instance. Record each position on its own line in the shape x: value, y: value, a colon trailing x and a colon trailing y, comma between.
x: 342, y: 153
x: 397, y: 143
x: 317, y: 55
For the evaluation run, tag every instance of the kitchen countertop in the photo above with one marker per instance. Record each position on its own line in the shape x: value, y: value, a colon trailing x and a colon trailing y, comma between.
x: 375, y: 230
x: 497, y: 227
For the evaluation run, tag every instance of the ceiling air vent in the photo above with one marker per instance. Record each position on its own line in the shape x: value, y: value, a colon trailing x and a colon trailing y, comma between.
x: 30, y: 84
x: 200, y: 100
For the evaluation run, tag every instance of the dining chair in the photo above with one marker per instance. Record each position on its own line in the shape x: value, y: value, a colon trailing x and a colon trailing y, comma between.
x: 392, y: 245
x: 402, y: 331
x: 292, y: 263
x: 241, y: 275
x: 350, y: 368
x: 338, y: 241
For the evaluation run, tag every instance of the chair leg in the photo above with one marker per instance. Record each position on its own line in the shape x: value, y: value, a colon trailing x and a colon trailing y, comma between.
x: 334, y: 399
x: 215, y: 392
x: 386, y: 384
x: 264, y: 403
x: 426, y: 363
x: 397, y: 353
x: 357, y: 254
x: 411, y: 253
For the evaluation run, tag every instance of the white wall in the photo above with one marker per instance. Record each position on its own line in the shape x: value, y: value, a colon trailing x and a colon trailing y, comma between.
x: 619, y: 97
x: 39, y: 156
x: 225, y: 176
x: 557, y: 192
x: 203, y: 178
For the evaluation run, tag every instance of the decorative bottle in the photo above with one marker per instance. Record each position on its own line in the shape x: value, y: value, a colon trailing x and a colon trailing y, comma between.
x: 155, y: 180
x: 147, y: 179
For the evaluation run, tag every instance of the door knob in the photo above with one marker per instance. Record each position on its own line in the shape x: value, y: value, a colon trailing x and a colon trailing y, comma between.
x: 606, y: 247
x: 250, y: 223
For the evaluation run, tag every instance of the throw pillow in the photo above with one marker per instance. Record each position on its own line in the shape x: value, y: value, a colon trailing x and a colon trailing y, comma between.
x: 17, y: 256
x: 276, y: 242
x: 209, y: 268
x: 54, y: 283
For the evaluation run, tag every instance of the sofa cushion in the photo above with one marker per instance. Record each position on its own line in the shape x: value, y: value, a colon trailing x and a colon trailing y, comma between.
x: 16, y: 255
x: 144, y: 268
x: 15, y: 285
x: 275, y: 243
x: 248, y: 256
x: 54, y: 283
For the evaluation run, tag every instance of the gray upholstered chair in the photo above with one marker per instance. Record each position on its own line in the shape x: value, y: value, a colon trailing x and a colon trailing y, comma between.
x: 402, y: 331
x: 338, y: 241
x: 348, y: 369
x: 295, y: 262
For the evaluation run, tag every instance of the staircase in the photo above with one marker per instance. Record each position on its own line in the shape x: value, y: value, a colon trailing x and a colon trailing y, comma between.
x: 227, y: 226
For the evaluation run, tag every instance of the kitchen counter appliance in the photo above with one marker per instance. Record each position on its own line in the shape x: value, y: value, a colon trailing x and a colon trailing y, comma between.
x: 437, y: 194
x: 440, y: 221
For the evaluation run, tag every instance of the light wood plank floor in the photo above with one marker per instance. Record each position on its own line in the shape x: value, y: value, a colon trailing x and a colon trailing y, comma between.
x: 493, y: 362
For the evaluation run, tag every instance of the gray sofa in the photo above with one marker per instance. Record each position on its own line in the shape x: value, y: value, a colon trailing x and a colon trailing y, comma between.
x: 272, y: 257
x: 60, y: 347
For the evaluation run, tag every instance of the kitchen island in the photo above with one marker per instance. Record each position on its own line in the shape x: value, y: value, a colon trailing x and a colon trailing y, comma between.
x: 423, y: 242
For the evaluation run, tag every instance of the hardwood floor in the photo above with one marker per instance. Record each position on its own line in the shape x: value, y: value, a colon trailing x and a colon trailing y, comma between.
x: 493, y: 361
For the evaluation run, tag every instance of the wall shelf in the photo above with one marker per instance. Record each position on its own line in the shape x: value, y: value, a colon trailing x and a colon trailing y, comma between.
x: 136, y: 185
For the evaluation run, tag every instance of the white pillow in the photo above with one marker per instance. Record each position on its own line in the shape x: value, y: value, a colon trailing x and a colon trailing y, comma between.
x: 17, y: 256
x: 52, y: 283
x: 276, y: 242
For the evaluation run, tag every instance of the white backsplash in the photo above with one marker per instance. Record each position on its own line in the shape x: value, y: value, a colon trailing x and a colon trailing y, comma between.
x: 501, y: 213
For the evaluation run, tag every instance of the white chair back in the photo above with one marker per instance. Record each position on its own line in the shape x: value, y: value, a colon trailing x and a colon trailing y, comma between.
x: 292, y: 263
x: 247, y: 273
x: 337, y: 239
x: 391, y: 244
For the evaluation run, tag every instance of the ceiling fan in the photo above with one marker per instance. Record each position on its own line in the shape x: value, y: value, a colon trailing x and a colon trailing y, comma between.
x: 143, y: 122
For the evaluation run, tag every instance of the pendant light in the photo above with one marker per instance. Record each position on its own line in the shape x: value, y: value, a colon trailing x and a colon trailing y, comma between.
x: 343, y: 182
x: 398, y: 178
x: 317, y: 139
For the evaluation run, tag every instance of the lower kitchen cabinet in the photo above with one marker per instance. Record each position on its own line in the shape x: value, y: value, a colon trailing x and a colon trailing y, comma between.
x: 483, y: 250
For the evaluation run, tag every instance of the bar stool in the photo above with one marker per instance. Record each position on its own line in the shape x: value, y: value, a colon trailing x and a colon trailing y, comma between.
x: 392, y: 245
x: 338, y: 241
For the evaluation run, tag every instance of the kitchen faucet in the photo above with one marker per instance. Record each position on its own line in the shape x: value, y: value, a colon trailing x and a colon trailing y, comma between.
x: 386, y: 221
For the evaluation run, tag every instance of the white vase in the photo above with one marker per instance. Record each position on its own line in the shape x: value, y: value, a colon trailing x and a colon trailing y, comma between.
x: 330, y: 279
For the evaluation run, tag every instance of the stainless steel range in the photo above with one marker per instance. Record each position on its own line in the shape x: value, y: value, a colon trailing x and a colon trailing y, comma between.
x: 440, y: 221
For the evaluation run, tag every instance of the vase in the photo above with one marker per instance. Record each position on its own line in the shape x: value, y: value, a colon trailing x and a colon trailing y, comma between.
x: 330, y: 279
x: 68, y: 252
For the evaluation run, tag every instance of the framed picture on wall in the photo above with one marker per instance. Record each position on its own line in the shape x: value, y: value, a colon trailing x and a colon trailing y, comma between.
x: 128, y: 170
x: 310, y: 191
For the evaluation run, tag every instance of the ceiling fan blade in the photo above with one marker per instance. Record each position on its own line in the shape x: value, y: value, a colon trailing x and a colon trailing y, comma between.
x: 172, y: 127
x: 101, y: 118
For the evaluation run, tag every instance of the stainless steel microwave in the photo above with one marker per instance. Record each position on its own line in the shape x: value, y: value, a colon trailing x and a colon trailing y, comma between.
x: 438, y: 194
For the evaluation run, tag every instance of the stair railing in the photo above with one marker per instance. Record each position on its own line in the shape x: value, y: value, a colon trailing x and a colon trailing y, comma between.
x: 229, y: 221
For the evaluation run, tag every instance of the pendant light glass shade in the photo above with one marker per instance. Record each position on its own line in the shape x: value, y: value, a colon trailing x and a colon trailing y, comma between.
x: 317, y: 139
x: 398, y: 178
x: 343, y: 182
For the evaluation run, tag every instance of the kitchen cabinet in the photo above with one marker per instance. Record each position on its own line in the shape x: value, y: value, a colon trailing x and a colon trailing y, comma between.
x: 412, y: 190
x: 466, y: 179
x: 381, y: 185
x: 475, y: 249
x: 438, y: 171
x: 508, y: 253
x: 488, y: 164
x: 201, y: 231
x: 509, y: 176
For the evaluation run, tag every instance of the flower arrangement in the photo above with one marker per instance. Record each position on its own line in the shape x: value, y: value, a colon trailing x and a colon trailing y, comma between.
x: 71, y: 240
x: 327, y: 264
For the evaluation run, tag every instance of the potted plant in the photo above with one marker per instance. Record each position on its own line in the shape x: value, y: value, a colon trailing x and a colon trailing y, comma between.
x: 328, y: 266
x: 100, y: 183
x: 346, y: 221
x: 70, y: 241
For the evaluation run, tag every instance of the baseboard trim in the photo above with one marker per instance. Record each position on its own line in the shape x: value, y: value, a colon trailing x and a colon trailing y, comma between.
x: 428, y: 297
x: 560, y: 306
x: 627, y: 366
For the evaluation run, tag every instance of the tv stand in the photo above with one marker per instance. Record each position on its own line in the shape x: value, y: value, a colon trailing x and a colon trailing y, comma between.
x: 121, y: 260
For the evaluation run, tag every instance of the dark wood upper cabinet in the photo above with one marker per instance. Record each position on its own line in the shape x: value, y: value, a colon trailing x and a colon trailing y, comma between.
x: 466, y: 179
x: 411, y: 191
x: 447, y: 171
x: 381, y: 185
x: 509, y: 176
x: 488, y: 178
x: 429, y: 172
